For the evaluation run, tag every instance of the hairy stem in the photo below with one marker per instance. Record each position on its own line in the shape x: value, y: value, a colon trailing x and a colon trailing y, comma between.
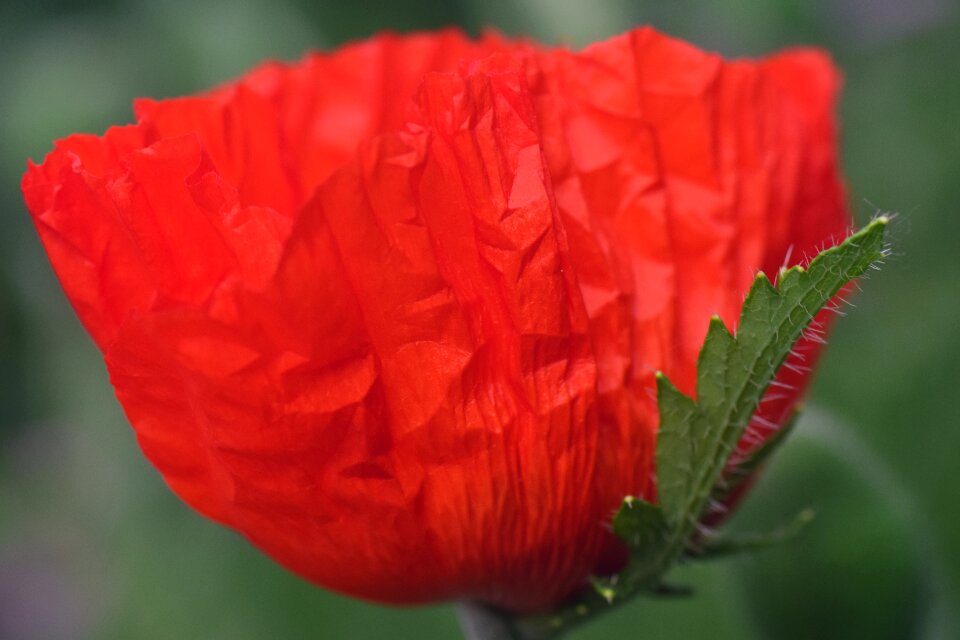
x: 480, y: 622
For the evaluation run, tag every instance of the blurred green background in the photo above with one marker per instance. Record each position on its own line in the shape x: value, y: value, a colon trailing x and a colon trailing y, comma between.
x: 92, y: 545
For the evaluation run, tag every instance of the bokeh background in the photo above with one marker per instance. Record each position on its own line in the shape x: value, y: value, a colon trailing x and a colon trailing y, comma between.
x: 93, y: 545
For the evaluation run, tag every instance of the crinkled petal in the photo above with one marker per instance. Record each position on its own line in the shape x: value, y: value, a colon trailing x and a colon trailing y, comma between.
x: 204, y: 189
x: 679, y: 176
x: 406, y: 412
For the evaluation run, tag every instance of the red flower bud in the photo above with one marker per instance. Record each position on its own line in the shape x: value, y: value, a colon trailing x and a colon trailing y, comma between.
x: 394, y: 312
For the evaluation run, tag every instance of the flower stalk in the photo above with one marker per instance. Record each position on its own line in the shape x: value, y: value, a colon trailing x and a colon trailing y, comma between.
x: 480, y: 622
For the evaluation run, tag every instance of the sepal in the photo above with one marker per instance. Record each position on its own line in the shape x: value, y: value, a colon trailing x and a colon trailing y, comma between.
x: 722, y: 546
x: 697, y: 436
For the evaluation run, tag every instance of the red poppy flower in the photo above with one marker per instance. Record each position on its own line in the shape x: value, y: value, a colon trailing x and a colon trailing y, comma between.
x: 394, y: 312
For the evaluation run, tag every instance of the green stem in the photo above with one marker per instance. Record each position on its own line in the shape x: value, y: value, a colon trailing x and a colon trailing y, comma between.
x: 480, y: 622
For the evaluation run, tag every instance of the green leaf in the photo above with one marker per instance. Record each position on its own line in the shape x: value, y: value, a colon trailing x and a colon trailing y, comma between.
x: 642, y: 527
x: 736, y: 474
x: 722, y: 546
x: 696, y: 437
x: 639, y: 523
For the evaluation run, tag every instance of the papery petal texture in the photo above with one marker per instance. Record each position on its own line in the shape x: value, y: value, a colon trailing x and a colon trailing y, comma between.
x: 394, y: 312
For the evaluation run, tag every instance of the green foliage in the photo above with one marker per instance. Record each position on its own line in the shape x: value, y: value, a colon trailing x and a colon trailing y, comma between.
x: 718, y: 546
x: 736, y: 473
x: 696, y: 436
